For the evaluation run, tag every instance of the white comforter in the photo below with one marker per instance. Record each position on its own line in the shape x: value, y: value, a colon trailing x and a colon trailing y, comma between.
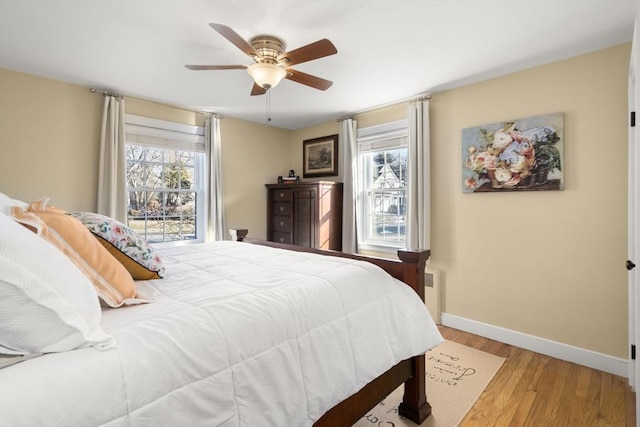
x: 239, y: 335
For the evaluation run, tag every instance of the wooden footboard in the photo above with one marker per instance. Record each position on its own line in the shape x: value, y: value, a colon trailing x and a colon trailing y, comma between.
x: 411, y: 372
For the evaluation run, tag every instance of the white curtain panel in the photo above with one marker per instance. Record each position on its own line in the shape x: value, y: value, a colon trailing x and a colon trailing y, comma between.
x: 419, y: 188
x: 112, y: 175
x: 350, y: 172
x: 216, y: 223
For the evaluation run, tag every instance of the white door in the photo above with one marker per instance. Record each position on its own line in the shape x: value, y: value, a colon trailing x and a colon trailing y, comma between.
x: 634, y: 211
x: 631, y: 252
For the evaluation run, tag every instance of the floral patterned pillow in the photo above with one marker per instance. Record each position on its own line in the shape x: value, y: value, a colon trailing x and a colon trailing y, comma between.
x: 137, y: 256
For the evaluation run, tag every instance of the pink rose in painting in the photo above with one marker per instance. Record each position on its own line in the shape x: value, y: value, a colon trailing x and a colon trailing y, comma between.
x: 470, y: 183
x: 516, y: 136
x: 489, y: 160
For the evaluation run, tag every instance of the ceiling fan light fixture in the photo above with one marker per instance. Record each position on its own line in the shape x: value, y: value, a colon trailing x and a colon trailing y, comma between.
x: 266, y: 75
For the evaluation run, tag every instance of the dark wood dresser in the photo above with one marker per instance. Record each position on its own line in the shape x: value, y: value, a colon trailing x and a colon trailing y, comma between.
x: 305, y: 214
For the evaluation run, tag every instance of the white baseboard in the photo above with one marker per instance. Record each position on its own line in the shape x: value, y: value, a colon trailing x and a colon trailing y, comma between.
x: 592, y: 359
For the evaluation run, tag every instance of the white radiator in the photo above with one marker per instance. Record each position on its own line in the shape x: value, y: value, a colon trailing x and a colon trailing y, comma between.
x: 432, y: 293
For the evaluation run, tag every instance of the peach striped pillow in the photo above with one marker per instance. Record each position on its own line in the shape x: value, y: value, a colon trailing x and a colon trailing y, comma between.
x: 112, y: 281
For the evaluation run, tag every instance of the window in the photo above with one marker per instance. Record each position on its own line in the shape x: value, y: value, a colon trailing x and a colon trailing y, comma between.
x: 382, y: 160
x: 165, y: 180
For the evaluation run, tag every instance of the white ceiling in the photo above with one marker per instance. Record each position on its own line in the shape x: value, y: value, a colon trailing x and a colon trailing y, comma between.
x: 388, y: 51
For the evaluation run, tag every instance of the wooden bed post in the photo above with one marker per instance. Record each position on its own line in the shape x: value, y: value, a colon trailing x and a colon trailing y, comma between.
x: 413, y: 265
x: 414, y: 403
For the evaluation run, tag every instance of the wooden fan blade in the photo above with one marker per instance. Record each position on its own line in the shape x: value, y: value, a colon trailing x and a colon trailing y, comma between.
x: 216, y: 67
x: 315, y: 50
x: 308, y: 79
x: 234, y: 38
x: 257, y: 90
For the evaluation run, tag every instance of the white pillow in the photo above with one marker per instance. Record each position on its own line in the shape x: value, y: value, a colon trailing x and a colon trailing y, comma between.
x: 6, y: 202
x: 46, y: 303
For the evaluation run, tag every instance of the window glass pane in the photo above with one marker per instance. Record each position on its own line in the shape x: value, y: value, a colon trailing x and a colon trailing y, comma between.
x: 172, y: 202
x: 155, y: 205
x: 186, y: 158
x: 189, y: 227
x: 172, y: 237
x: 188, y: 201
x: 137, y: 204
x: 154, y: 230
x: 187, y: 179
x: 154, y: 154
x: 153, y: 176
x: 135, y: 152
x: 137, y: 223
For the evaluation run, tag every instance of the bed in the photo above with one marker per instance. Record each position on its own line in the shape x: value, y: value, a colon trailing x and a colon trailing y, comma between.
x: 237, y: 333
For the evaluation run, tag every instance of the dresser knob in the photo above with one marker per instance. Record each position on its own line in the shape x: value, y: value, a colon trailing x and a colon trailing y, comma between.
x: 281, y: 208
x: 281, y: 195
x: 282, y: 240
x: 281, y: 222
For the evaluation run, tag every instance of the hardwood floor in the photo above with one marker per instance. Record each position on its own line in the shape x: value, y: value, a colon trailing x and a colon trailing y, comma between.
x: 534, y: 390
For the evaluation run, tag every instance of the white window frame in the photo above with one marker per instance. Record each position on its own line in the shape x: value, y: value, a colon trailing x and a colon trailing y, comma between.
x: 391, y: 135
x: 149, y: 132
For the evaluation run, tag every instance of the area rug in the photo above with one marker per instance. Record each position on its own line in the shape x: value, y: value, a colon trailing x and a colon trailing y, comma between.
x: 456, y: 376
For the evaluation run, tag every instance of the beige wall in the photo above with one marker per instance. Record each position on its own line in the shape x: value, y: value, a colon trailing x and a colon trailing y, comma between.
x: 49, y: 147
x: 48, y: 134
x: 549, y: 264
x: 253, y: 155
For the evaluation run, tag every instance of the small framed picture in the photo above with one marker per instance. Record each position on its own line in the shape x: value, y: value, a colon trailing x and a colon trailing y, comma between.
x: 320, y: 157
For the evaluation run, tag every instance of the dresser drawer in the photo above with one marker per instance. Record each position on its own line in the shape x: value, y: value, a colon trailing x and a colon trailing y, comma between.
x: 282, y: 195
x: 281, y: 223
x: 281, y: 208
x: 282, y: 238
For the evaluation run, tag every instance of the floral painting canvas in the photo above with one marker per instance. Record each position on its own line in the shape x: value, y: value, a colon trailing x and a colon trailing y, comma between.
x: 524, y: 154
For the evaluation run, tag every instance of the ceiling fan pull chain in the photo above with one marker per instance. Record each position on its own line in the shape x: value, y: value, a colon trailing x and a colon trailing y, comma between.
x: 268, y: 103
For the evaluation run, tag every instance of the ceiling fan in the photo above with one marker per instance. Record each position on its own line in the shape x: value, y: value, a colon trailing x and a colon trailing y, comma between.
x: 272, y: 62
